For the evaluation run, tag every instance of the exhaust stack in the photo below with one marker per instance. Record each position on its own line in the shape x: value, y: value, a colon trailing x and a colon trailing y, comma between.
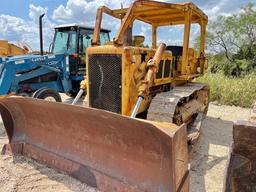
x: 41, y: 34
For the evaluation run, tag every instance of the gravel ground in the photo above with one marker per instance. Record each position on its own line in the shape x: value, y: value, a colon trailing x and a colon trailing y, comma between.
x: 210, y: 159
x: 207, y: 167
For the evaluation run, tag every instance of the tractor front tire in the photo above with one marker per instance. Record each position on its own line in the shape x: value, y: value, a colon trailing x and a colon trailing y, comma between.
x: 47, y: 94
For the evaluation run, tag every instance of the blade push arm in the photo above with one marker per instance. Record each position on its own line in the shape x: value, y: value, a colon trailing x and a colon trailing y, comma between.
x: 152, y: 69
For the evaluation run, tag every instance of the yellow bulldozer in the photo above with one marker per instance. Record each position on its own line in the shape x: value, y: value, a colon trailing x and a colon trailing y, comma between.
x: 9, y: 49
x: 143, y: 110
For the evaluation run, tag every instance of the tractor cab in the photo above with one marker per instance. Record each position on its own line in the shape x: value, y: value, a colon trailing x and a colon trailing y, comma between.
x: 73, y: 40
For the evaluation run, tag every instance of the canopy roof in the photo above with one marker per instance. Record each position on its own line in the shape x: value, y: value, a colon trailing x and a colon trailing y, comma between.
x: 162, y: 14
x: 156, y: 14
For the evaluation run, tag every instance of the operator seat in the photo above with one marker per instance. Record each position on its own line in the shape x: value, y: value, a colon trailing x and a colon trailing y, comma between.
x: 176, y: 53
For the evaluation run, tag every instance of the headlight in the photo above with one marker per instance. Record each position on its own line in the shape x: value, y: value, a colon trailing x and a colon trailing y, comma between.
x: 1, y: 68
x: 67, y: 63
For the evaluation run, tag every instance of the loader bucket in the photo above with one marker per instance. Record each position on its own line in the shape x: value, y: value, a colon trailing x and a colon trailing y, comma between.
x: 105, y: 150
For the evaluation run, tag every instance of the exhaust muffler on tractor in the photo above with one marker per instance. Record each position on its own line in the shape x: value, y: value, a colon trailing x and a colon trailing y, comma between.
x: 105, y: 150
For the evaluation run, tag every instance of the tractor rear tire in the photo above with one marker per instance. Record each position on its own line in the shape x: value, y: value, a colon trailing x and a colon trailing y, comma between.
x: 47, y: 94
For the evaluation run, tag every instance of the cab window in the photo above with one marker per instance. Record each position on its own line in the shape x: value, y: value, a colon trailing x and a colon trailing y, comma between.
x: 104, y: 38
x: 60, y: 42
x: 64, y: 42
x: 72, y: 43
x: 86, y: 39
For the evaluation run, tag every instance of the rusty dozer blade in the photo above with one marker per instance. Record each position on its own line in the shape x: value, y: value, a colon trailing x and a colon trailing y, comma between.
x: 105, y: 150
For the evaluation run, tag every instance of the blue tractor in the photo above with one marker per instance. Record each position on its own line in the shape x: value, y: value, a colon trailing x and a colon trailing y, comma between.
x: 42, y: 75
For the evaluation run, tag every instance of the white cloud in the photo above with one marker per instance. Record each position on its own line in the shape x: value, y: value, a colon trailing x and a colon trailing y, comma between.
x: 36, y: 11
x: 18, y: 30
x: 84, y: 11
x: 74, y: 11
x: 217, y: 9
x: 214, y: 8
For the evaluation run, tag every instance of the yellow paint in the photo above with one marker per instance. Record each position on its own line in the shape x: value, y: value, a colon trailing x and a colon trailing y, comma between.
x: 157, y: 14
x: 8, y: 49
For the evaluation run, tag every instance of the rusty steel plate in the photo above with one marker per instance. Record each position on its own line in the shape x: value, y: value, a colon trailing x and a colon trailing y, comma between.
x: 105, y: 150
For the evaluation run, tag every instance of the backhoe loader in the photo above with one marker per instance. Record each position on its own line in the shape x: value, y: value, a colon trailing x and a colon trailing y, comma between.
x: 43, y: 74
x: 142, y: 108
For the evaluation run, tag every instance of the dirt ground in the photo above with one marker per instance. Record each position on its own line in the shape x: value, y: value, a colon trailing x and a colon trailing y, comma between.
x: 207, y: 167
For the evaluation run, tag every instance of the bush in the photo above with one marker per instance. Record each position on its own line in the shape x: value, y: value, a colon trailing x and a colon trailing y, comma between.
x: 230, y: 90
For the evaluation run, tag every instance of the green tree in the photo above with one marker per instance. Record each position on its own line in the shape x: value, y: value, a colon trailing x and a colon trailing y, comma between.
x: 232, y: 41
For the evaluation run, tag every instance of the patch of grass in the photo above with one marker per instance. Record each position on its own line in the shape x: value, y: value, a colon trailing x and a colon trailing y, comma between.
x: 230, y: 90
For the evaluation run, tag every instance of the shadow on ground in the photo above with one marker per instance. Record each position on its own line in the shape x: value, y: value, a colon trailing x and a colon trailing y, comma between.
x: 2, y: 130
x: 68, y: 100
x: 47, y: 179
x: 209, y: 160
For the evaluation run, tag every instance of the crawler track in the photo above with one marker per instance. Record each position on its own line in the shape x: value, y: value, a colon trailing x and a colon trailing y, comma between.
x: 183, y: 104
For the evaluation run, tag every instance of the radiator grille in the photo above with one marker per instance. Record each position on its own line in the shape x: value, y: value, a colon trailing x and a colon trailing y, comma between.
x: 105, y: 74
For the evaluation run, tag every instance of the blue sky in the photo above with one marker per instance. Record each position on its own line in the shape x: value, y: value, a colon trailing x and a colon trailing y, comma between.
x: 20, y: 8
x: 19, y: 18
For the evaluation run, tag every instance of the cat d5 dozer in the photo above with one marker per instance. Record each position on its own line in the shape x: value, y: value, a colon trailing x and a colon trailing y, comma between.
x: 143, y: 108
